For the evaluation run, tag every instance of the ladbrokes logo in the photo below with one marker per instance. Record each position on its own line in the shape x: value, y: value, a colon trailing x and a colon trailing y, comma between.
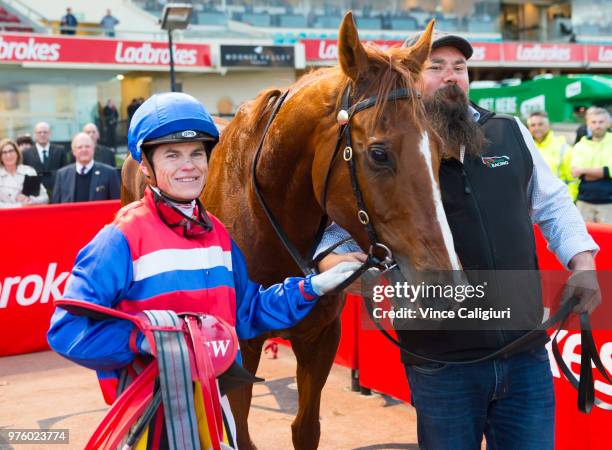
x: 604, y: 54
x: 539, y: 52
x: 146, y: 54
x: 29, y: 50
x: 32, y: 288
x: 569, y: 345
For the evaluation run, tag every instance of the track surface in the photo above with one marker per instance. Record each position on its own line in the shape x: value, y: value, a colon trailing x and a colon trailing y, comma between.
x: 43, y: 390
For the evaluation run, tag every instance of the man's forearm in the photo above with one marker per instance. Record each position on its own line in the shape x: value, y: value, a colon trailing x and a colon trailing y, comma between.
x: 590, y: 173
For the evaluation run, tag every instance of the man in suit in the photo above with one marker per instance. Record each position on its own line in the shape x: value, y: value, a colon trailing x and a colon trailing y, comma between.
x: 46, y: 158
x: 86, y: 180
x: 102, y: 153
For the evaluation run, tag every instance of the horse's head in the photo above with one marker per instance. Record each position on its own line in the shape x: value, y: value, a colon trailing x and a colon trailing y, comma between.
x: 395, y: 152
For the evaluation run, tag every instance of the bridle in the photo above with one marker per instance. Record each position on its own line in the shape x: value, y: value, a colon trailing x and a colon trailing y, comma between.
x: 379, y: 255
x: 589, y: 354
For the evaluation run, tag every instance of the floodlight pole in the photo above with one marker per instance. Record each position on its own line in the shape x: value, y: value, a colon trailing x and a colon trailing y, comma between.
x: 171, y: 50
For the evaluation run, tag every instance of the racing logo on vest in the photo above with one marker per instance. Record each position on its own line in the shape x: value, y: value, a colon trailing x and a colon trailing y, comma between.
x: 495, y: 161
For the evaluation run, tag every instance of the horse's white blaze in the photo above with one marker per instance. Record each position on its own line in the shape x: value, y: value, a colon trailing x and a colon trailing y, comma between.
x: 446, y: 232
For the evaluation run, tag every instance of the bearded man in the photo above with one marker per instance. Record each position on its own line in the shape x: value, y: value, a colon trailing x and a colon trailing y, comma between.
x: 494, y: 185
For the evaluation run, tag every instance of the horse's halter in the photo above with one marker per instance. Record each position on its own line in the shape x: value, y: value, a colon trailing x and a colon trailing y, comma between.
x: 344, y: 118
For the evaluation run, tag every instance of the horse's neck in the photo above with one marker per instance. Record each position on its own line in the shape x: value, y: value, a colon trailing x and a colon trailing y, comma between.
x: 284, y: 174
x: 285, y: 171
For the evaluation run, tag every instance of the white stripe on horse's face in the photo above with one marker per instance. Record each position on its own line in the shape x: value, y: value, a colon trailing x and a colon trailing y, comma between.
x: 441, y: 215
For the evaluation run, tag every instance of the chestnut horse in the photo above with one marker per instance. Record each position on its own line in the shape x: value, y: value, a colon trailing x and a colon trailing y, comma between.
x: 397, y: 161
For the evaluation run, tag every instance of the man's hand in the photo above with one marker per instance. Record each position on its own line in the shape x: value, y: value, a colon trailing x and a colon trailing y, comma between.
x: 334, y: 259
x: 583, y: 283
x: 23, y: 199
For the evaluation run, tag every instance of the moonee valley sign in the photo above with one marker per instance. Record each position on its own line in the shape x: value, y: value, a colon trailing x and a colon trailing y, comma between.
x: 257, y: 56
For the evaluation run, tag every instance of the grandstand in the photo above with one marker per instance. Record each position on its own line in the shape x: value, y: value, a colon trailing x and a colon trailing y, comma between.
x: 12, y: 21
x: 290, y: 21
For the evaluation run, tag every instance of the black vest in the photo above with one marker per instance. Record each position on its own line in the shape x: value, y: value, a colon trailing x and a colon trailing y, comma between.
x: 487, y: 207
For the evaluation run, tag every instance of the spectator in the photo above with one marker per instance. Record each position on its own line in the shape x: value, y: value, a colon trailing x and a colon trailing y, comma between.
x: 68, y: 23
x: 581, y: 113
x: 490, y: 214
x: 583, y: 130
x: 45, y: 157
x: 554, y: 149
x: 85, y: 180
x: 132, y: 107
x: 24, y: 142
x: 108, y: 23
x: 110, y: 116
x: 591, y: 162
x: 13, y: 176
x: 102, y: 153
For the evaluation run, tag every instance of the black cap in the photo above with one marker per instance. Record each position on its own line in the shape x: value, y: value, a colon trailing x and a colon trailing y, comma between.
x: 440, y: 39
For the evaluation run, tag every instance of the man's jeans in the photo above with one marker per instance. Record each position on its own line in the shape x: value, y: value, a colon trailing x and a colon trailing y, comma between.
x: 509, y: 400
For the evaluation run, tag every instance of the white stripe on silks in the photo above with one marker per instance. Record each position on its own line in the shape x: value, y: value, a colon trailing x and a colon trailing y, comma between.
x: 441, y: 215
x: 168, y: 260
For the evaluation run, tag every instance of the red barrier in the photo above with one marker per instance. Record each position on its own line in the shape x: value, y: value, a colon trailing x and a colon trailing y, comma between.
x: 39, y: 245
x: 347, y: 354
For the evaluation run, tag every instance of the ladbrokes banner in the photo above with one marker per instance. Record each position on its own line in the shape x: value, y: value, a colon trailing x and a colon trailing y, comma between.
x: 39, y: 245
x: 30, y: 48
x: 325, y: 52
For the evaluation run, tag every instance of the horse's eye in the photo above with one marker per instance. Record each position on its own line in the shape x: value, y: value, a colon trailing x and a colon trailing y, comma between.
x: 379, y: 155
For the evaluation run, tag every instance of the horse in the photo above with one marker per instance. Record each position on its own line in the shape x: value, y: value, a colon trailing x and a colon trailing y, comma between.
x: 396, y: 156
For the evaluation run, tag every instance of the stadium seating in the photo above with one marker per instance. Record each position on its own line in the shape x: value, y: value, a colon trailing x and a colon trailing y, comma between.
x: 11, y: 22
x: 292, y: 21
x: 211, y: 18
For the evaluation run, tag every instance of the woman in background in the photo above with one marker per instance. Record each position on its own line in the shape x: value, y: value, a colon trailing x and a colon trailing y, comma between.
x: 12, y: 177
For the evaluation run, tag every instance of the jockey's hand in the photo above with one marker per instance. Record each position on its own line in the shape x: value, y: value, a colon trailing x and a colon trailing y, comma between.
x: 583, y: 283
x: 333, y: 259
x: 330, y: 279
x: 145, y: 347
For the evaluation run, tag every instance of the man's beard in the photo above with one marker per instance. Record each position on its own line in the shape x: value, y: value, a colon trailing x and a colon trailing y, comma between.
x: 450, y: 117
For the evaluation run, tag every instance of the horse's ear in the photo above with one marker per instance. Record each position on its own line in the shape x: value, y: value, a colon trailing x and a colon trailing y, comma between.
x: 419, y: 52
x: 353, y: 57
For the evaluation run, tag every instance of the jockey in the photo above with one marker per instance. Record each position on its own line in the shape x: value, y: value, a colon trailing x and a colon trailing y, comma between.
x: 166, y: 252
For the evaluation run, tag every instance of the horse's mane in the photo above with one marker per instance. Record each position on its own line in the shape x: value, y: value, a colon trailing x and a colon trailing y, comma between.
x: 389, y: 70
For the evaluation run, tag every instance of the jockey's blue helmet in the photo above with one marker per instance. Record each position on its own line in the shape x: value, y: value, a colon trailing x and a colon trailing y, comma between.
x: 170, y: 117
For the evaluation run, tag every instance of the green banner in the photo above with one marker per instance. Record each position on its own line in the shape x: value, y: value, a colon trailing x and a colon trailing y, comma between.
x: 558, y: 96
